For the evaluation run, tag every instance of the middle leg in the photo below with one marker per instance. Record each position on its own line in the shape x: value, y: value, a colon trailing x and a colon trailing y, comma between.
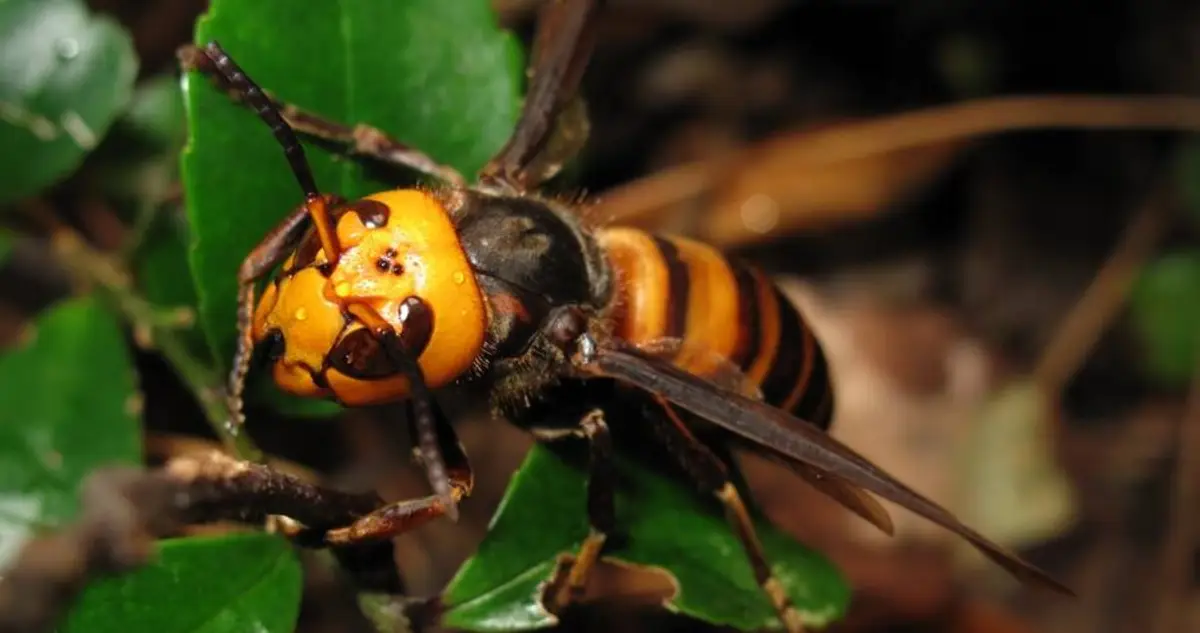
x: 601, y: 503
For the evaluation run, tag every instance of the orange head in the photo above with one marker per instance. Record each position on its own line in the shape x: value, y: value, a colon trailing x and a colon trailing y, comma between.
x: 394, y: 245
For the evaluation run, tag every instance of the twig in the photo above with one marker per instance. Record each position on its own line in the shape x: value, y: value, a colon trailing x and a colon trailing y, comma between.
x: 1175, y: 567
x: 124, y: 510
x: 1101, y: 301
x: 163, y: 447
x: 714, y: 182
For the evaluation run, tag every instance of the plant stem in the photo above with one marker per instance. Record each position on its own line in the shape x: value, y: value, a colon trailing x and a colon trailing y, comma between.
x: 88, y: 264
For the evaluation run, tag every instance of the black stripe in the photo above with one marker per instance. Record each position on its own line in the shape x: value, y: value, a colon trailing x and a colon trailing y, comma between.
x: 789, y: 353
x: 749, y: 317
x: 678, y: 288
x: 815, y: 405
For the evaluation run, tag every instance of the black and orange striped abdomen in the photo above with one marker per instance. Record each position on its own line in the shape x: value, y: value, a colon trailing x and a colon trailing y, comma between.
x: 675, y: 288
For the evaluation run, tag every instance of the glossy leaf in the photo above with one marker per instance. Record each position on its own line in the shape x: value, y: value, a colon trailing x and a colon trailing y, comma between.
x: 65, y: 75
x: 438, y: 75
x: 1166, y: 313
x: 65, y: 409
x: 225, y: 584
x: 542, y: 515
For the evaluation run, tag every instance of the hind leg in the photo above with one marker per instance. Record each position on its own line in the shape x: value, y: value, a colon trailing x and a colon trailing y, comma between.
x: 601, y: 506
x: 707, y: 470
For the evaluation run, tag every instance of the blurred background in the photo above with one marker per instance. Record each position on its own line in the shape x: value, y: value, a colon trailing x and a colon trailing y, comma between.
x: 991, y: 301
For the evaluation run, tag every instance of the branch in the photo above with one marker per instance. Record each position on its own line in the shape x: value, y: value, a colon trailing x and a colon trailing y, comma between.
x: 124, y: 510
x: 1175, y: 566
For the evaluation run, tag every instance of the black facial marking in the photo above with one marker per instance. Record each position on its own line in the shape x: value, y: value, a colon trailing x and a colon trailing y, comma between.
x: 360, y: 355
x: 306, y: 252
x: 372, y: 213
x: 417, y: 319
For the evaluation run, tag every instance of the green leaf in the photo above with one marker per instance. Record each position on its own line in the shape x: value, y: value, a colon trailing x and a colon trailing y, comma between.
x: 1166, y: 313
x: 156, y: 115
x: 441, y: 76
x: 542, y: 515
x: 243, y: 582
x: 162, y: 262
x: 138, y: 162
x: 64, y: 77
x: 65, y: 409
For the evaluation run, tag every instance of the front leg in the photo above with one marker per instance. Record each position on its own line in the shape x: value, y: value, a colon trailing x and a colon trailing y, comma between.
x: 601, y: 503
x: 711, y: 476
x: 402, y: 516
x: 269, y: 253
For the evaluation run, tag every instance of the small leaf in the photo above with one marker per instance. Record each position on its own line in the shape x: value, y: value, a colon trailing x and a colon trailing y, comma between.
x: 1015, y: 490
x: 65, y: 75
x: 64, y: 411
x: 542, y: 515
x: 441, y: 76
x: 225, y: 584
x: 1166, y: 313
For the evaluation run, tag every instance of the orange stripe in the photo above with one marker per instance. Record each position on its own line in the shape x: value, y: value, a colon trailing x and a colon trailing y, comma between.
x: 769, y: 343
x: 642, y: 284
x: 712, y: 306
x: 802, y: 381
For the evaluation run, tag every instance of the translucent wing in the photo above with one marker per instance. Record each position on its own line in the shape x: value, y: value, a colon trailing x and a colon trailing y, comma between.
x: 725, y: 374
x: 702, y: 362
x: 553, y: 124
x: 789, y: 439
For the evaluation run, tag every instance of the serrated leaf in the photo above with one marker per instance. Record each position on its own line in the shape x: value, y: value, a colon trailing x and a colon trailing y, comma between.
x: 542, y: 515
x: 65, y: 409
x: 65, y: 75
x: 441, y: 76
x: 1166, y: 312
x: 225, y: 584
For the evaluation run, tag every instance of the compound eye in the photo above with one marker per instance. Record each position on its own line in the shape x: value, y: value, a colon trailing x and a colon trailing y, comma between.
x: 274, y: 345
x: 360, y: 355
